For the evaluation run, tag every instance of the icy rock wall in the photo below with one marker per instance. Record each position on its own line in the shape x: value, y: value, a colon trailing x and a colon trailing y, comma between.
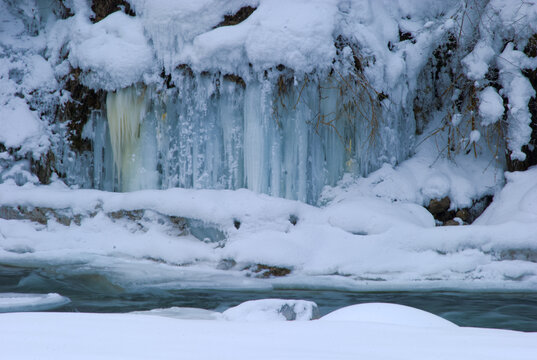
x: 275, y: 134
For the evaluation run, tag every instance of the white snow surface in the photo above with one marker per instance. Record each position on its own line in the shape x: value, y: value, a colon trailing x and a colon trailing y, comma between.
x: 121, y: 50
x: 22, y: 127
x: 113, y: 53
x: 517, y: 202
x: 383, y: 313
x: 131, y: 336
x: 490, y: 106
x: 12, y: 302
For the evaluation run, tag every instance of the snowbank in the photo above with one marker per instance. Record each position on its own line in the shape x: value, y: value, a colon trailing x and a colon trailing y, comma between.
x: 517, y: 202
x: 89, y: 336
x: 381, y: 313
x: 360, y: 242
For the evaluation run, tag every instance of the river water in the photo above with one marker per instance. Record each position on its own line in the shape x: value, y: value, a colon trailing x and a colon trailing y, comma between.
x: 94, y: 293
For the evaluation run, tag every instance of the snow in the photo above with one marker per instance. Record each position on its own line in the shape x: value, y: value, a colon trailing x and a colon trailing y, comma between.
x: 490, y: 106
x: 504, y: 30
x: 518, y: 90
x: 394, y: 314
x: 14, y: 302
x: 368, y: 236
x: 475, y: 135
x: 477, y: 62
x: 183, y: 313
x: 516, y: 202
x: 296, y: 34
x: 22, y: 127
x: 114, y: 52
x: 173, y: 25
x: 108, y: 336
x: 272, y: 310
x: 425, y: 176
x: 369, y: 229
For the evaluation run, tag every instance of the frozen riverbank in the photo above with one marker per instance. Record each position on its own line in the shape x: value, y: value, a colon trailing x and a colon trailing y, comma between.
x: 105, y: 336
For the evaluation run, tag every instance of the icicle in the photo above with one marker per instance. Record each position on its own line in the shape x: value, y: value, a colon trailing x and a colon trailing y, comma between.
x: 126, y: 109
x: 274, y: 135
x: 256, y: 138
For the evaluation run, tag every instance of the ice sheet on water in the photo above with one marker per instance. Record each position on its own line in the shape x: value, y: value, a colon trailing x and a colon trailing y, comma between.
x: 15, y: 302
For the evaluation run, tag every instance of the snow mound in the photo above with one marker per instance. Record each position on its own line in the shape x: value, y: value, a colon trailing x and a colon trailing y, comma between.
x: 126, y: 336
x: 114, y: 52
x: 516, y: 202
x: 368, y: 215
x: 423, y: 177
x: 273, y: 310
x: 15, y: 302
x: 392, y: 314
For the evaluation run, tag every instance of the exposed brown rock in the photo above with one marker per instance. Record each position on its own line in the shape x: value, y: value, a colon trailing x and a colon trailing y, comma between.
x: 463, y: 214
x: 37, y: 214
x: 266, y: 271
x: 134, y: 215
x: 103, y: 8
x: 76, y: 111
x: 44, y: 167
x: 238, y: 17
x: 236, y: 79
x: 439, y: 206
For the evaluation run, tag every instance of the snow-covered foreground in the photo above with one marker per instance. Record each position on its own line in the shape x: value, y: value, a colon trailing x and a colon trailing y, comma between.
x: 368, y: 331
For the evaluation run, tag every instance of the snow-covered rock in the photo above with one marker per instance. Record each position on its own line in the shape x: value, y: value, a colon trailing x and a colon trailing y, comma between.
x: 272, y: 310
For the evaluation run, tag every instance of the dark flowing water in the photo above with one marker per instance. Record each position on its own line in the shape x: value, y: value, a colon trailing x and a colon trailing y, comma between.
x: 94, y: 293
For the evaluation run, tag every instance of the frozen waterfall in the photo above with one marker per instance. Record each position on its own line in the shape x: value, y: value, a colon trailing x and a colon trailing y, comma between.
x: 274, y: 134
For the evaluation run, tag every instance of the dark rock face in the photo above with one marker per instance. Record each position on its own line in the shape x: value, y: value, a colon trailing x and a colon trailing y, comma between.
x: 44, y: 167
x: 76, y: 112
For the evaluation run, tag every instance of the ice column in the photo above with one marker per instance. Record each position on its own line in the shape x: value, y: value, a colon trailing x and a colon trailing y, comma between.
x: 131, y: 139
